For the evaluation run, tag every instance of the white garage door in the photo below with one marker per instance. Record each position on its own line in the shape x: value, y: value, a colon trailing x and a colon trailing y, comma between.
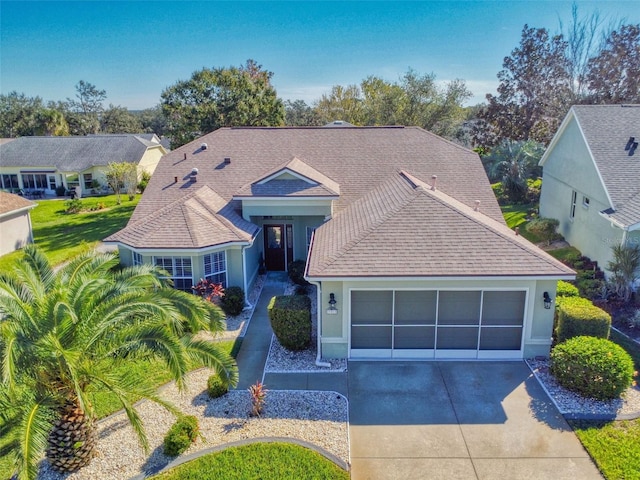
x: 437, y: 323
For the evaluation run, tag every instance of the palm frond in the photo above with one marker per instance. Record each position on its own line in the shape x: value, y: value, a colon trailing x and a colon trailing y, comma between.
x: 210, y: 355
x: 35, y: 421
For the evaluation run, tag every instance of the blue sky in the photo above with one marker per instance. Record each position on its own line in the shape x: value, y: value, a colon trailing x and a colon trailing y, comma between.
x: 134, y: 50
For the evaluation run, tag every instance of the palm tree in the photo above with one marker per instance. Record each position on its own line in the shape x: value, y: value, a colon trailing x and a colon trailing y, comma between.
x: 512, y: 163
x: 60, y: 334
x: 625, y: 269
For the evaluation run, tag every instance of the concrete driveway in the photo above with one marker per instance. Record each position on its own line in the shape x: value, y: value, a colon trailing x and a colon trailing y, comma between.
x: 458, y: 420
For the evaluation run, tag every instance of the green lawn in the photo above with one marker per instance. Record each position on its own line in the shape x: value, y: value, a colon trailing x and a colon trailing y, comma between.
x: 62, y: 235
x: 564, y: 253
x: 516, y: 216
x: 259, y: 461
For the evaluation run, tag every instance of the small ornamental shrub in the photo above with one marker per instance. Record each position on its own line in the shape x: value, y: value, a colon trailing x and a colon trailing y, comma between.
x: 566, y: 289
x: 258, y: 398
x: 592, y: 367
x: 296, y: 272
x: 544, y: 228
x: 232, y: 302
x: 216, y: 387
x: 61, y: 190
x: 290, y: 317
x: 634, y: 320
x: 73, y: 206
x: 578, y: 316
x: 181, y: 435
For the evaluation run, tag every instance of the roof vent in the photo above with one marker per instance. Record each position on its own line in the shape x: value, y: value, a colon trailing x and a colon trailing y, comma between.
x: 630, y: 143
x: 227, y: 160
x: 194, y: 171
x: 434, y: 179
x: 203, y: 146
x: 477, y: 207
x: 185, y: 155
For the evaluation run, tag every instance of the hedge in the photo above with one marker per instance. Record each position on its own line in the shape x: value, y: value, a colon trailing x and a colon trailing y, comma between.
x: 181, y: 435
x: 578, y: 316
x: 566, y: 289
x: 290, y: 317
x: 592, y: 367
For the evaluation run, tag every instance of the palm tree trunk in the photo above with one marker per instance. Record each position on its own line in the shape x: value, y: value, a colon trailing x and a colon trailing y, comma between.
x: 72, y: 440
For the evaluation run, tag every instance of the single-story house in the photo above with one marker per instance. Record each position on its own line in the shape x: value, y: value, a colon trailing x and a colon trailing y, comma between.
x: 400, y: 230
x: 45, y: 163
x: 591, y: 179
x: 15, y: 222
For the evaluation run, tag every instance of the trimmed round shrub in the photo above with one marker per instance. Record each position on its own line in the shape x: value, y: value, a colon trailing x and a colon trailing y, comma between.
x: 216, y: 387
x: 578, y: 316
x: 592, y: 367
x: 296, y: 272
x: 290, y: 317
x: 232, y: 302
x: 181, y: 435
x: 566, y: 289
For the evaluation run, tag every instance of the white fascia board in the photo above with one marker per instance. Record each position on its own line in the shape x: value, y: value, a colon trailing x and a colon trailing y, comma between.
x: 446, y: 279
x: 17, y: 211
x: 181, y: 251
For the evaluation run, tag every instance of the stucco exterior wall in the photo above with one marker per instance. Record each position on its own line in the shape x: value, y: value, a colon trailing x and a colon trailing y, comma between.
x: 569, y: 168
x: 538, y: 321
x: 16, y: 231
x: 150, y: 159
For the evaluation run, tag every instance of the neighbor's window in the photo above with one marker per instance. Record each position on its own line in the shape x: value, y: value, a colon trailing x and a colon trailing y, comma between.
x: 34, y: 180
x: 572, y: 212
x: 72, y: 181
x: 215, y: 268
x: 9, y: 181
x: 585, y: 202
x: 88, y: 179
x: 137, y: 258
x: 179, y: 269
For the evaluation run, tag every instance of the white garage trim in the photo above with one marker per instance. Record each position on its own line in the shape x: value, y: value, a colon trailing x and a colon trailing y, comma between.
x: 388, y: 330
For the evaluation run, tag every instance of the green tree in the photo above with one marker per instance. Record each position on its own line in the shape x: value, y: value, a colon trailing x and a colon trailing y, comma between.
x: 513, y: 163
x: 153, y: 120
x: 614, y: 73
x: 85, y: 109
x: 534, y: 93
x: 122, y: 176
x: 625, y: 269
x: 51, y: 122
x: 299, y: 114
x: 62, y: 332
x: 117, y: 119
x: 221, y: 97
x: 342, y: 103
x: 19, y: 114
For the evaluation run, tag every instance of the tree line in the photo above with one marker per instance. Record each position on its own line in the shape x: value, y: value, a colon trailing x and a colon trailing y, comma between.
x: 586, y: 62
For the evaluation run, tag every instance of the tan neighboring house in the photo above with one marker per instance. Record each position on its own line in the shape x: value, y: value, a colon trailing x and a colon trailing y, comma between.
x: 591, y: 179
x: 15, y: 222
x: 407, y: 265
x: 42, y: 164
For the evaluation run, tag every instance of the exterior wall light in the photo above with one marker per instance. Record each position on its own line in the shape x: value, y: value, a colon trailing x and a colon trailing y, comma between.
x: 332, y: 310
x: 547, y: 300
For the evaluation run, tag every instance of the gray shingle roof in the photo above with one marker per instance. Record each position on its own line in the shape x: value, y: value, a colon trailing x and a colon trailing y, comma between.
x: 358, y: 159
x: 197, y: 220
x: 73, y: 154
x: 10, y: 203
x: 606, y: 130
x: 378, y: 235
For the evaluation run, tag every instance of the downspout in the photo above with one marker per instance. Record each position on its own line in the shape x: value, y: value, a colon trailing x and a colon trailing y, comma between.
x: 319, y: 361
x: 247, y: 304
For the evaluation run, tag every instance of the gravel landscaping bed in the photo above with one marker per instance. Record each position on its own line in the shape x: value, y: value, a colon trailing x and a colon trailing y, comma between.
x: 282, y: 360
x: 575, y: 406
x: 319, y: 418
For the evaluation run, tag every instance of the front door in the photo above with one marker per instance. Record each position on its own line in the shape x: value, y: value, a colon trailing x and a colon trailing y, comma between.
x: 278, y: 246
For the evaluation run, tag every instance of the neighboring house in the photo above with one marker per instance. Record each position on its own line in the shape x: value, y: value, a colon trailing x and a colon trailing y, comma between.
x: 15, y: 222
x: 591, y: 179
x: 45, y: 163
x: 411, y: 270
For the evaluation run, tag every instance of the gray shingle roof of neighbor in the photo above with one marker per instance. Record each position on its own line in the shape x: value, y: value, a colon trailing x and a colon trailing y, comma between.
x: 10, y: 203
x: 73, y: 154
x: 197, y: 220
x: 607, y: 130
x: 378, y: 236
x: 356, y: 158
